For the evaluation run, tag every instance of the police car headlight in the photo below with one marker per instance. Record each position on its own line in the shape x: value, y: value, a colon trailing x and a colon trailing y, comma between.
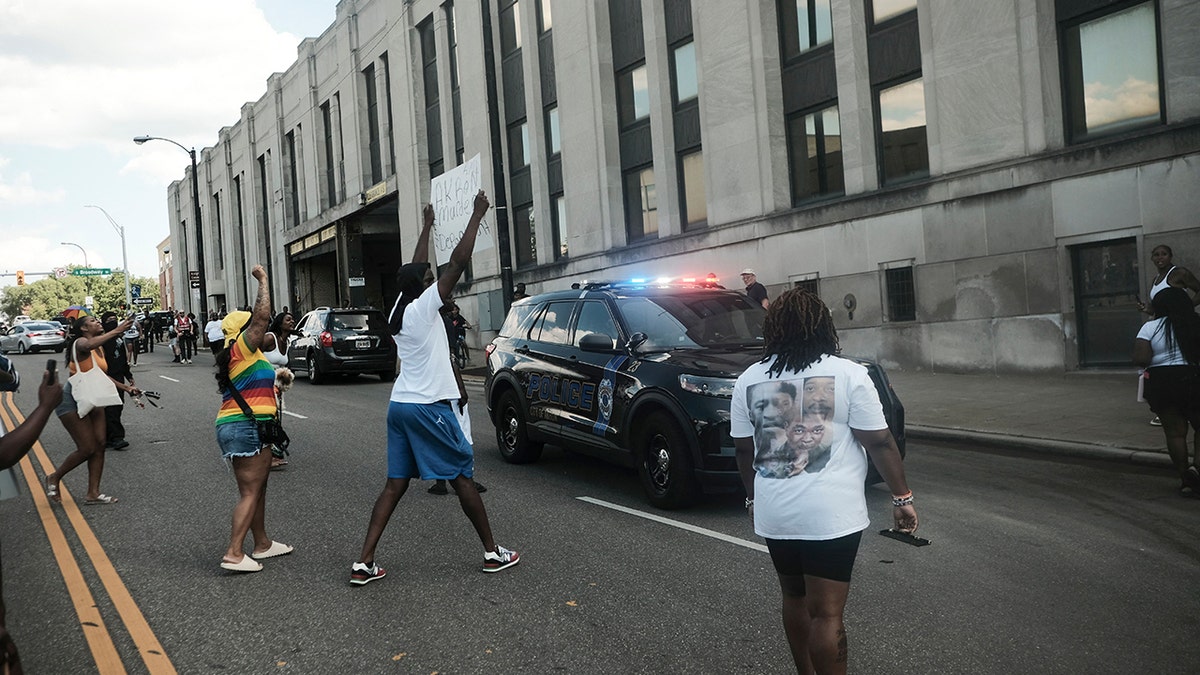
x: 708, y: 386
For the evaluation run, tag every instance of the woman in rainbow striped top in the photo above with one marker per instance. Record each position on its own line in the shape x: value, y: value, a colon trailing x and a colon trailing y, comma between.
x: 244, y: 373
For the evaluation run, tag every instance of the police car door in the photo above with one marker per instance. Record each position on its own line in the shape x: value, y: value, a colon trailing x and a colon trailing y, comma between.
x: 596, y: 343
x: 549, y: 368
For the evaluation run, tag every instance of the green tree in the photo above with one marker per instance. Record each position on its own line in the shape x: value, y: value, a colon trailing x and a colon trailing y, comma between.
x: 48, y: 297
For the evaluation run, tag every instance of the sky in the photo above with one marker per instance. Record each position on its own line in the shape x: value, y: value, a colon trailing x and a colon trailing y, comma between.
x: 80, y: 78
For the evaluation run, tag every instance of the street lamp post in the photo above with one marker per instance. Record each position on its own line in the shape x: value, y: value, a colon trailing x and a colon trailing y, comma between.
x: 195, y: 216
x: 124, y: 258
x: 87, y: 281
x: 68, y: 243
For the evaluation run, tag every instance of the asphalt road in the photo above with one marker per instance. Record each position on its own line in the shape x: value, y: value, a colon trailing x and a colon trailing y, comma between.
x: 1038, y: 565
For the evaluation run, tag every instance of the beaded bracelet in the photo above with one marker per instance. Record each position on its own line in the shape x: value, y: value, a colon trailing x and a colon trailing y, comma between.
x: 902, y: 500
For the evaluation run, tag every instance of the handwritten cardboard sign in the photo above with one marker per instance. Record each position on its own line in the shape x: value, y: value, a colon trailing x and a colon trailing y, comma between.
x: 453, y: 197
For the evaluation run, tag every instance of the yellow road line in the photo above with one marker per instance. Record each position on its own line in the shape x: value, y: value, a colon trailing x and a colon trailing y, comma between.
x: 148, y: 646
x: 94, y: 630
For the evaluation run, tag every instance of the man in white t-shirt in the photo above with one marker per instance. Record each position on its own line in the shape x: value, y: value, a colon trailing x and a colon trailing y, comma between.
x: 212, y: 332
x: 425, y: 439
x: 804, y: 483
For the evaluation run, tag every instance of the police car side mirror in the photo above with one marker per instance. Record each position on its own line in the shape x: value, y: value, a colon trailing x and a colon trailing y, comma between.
x: 636, y: 340
x: 596, y: 342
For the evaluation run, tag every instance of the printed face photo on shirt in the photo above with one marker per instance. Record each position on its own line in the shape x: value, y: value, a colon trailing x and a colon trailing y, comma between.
x: 771, y: 403
x: 817, y: 396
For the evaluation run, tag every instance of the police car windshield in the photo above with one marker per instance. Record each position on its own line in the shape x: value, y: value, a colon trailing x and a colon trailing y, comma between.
x: 688, y: 321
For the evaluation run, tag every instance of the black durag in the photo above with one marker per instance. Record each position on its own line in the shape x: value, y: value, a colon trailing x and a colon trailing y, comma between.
x: 411, y: 279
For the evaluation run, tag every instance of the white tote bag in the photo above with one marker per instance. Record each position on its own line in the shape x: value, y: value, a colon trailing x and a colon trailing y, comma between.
x: 91, y: 389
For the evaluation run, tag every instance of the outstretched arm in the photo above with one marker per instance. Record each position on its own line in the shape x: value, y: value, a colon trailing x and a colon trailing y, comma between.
x: 421, y: 253
x: 261, y: 316
x: 15, y: 444
x: 461, y: 255
x: 84, y: 344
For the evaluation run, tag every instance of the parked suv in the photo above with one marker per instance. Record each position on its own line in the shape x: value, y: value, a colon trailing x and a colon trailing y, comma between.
x: 343, y: 341
x: 635, y: 373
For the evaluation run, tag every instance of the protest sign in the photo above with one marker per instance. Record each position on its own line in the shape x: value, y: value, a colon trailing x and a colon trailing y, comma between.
x: 453, y: 197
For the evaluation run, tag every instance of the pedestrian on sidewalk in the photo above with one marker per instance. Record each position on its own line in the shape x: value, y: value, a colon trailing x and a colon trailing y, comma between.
x: 117, y: 367
x: 246, y: 381
x: 84, y: 352
x: 1168, y: 347
x: 756, y: 291
x: 1170, y: 275
x: 813, y: 516
x: 424, y: 437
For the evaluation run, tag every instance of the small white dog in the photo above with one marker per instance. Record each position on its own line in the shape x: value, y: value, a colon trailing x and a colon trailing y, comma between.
x: 284, y: 378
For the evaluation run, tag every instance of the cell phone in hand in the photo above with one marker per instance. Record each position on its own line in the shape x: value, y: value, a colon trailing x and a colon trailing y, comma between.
x: 52, y: 368
x: 910, y: 539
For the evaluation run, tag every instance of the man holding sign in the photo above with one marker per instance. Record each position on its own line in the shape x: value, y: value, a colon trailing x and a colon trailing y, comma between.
x: 425, y: 439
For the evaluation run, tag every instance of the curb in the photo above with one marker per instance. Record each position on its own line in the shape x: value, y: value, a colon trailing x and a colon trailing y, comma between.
x: 1043, y: 445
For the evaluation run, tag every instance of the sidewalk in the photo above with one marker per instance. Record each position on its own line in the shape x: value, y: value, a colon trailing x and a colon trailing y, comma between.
x: 1082, y: 414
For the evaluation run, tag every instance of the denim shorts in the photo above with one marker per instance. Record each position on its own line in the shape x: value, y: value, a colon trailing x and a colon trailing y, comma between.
x: 69, y: 404
x: 238, y: 439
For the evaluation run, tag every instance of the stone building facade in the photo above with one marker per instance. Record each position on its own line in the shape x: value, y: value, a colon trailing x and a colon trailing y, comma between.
x: 969, y: 185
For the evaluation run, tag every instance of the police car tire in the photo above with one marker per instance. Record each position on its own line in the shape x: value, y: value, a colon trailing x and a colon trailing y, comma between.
x: 518, y: 449
x: 669, y: 486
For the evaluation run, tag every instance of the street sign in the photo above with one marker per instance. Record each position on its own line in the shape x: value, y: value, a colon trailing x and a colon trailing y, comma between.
x: 195, y: 284
x: 143, y: 301
x: 194, y: 276
x: 91, y: 271
x: 60, y: 272
x: 135, y: 290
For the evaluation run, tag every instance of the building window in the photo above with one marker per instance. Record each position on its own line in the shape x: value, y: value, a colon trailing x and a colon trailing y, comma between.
x: 815, y: 149
x: 904, y: 150
x: 293, y: 188
x: 433, y: 119
x: 518, y: 146
x: 687, y: 85
x: 558, y: 219
x: 882, y: 10
x: 814, y: 24
x: 812, y: 285
x: 633, y: 95
x: 695, y: 204
x: 387, y: 111
x: 220, y: 254
x: 552, y: 131
x: 525, y: 240
x: 545, y: 20
x: 456, y: 101
x: 376, y: 166
x: 641, y: 203
x: 330, y: 160
x: 901, y: 294
x: 1112, y: 77
x: 510, y: 29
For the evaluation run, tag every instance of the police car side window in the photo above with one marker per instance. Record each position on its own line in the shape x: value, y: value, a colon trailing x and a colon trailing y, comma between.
x: 552, y: 325
x: 594, y: 318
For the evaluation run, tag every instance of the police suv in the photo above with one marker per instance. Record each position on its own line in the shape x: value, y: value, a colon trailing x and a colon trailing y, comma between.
x: 638, y: 372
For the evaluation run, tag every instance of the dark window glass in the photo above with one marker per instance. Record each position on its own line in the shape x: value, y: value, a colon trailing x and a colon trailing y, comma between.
x: 387, y: 109
x: 901, y: 294
x: 220, y: 253
x: 525, y: 239
x: 641, y: 203
x: 693, y: 320
x: 633, y: 96
x: 904, y: 150
x: 1111, y: 89
x: 552, y: 326
x: 815, y: 148
x: 372, y: 124
x: 594, y: 318
x: 293, y: 174
x: 515, y: 319
x: 695, y: 200
x: 330, y: 161
x: 510, y: 29
x: 357, y: 321
x: 814, y: 22
x: 810, y: 285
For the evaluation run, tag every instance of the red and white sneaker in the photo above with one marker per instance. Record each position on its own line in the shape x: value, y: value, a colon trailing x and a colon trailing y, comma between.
x: 502, y: 558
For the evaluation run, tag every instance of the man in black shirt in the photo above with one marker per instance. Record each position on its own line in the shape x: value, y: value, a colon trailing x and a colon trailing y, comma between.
x: 756, y: 291
x: 118, y: 369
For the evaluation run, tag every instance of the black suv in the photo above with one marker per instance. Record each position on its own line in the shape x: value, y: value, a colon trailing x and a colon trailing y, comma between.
x: 636, y: 373
x: 343, y: 341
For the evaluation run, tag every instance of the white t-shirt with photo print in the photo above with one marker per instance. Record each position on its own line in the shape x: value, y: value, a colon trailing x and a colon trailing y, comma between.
x: 809, y: 470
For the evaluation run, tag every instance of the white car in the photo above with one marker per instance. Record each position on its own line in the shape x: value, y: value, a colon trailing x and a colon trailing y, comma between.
x: 33, y: 336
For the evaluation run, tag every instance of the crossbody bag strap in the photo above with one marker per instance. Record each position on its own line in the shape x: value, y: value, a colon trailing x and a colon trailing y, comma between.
x: 237, y: 396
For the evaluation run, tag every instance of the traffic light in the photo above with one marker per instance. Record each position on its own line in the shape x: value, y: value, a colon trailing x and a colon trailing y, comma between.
x: 20, y: 277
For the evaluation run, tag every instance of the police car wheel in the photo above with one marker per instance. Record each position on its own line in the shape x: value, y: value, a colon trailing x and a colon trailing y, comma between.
x: 664, y: 464
x: 511, y: 435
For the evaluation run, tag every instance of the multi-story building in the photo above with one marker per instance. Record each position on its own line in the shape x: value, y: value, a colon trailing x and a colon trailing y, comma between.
x: 166, y: 275
x: 969, y: 184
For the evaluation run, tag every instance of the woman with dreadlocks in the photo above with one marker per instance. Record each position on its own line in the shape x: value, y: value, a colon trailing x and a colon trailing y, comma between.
x: 1168, y: 347
x: 813, y: 515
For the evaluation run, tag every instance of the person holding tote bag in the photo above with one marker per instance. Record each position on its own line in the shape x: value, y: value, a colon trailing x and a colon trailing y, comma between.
x: 85, y: 395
